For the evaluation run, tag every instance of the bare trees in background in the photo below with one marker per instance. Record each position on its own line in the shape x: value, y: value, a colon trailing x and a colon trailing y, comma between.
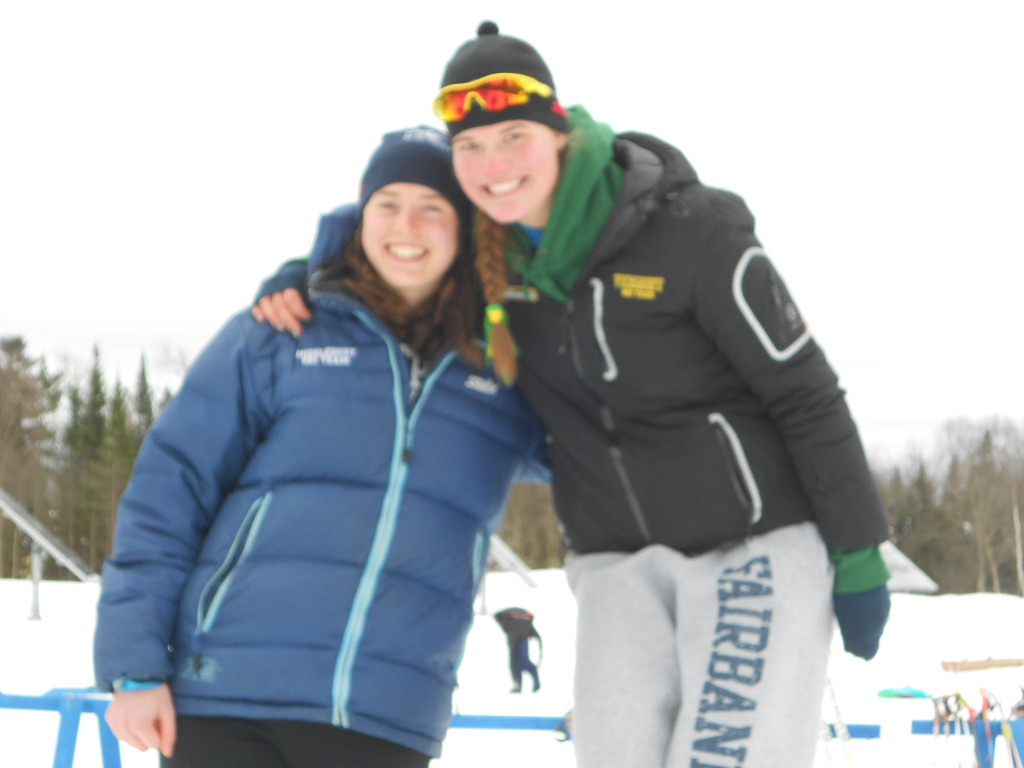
x: 531, y: 528
x: 29, y: 396
x: 956, y: 515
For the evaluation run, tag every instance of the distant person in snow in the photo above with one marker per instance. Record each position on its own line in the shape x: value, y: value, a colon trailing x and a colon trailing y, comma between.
x: 517, y: 623
x: 708, y: 475
x: 297, y: 553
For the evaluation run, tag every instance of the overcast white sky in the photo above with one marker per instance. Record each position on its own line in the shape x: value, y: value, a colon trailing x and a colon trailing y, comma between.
x: 157, y: 160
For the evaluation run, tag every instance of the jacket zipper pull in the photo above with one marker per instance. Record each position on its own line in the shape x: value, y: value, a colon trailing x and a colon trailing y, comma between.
x: 415, y: 378
x: 416, y: 371
x: 197, y: 662
x: 608, y: 420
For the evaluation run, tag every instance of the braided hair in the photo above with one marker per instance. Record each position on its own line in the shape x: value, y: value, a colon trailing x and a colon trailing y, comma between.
x: 491, y: 243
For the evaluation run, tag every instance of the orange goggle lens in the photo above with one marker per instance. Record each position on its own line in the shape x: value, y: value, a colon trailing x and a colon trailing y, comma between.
x: 491, y: 94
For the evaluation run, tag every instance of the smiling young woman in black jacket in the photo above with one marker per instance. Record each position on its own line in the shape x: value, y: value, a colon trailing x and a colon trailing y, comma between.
x: 705, y: 462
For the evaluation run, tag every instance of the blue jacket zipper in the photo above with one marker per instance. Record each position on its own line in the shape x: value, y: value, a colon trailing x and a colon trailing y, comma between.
x: 405, y: 428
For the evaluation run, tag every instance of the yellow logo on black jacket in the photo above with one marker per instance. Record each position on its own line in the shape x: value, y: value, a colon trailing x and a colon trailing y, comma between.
x: 639, y: 286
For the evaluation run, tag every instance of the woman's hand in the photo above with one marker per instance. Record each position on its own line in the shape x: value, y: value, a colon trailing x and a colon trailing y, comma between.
x: 144, y: 719
x: 285, y: 310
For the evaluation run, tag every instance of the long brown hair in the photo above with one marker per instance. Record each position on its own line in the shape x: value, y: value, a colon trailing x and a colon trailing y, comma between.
x: 449, y: 316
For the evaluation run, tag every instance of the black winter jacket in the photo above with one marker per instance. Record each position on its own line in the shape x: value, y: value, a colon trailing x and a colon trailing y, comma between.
x: 686, y: 402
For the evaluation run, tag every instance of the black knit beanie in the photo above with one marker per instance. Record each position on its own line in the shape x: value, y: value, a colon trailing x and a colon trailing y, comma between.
x: 419, y: 155
x: 474, y: 91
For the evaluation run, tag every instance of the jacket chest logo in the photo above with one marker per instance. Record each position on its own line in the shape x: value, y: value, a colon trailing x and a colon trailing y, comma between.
x: 644, y: 287
x: 522, y: 293
x: 333, y: 356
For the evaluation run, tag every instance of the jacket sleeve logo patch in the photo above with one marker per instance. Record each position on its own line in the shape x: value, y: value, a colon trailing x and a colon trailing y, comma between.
x: 482, y: 384
x: 639, y: 286
x: 766, y: 305
x: 334, y: 356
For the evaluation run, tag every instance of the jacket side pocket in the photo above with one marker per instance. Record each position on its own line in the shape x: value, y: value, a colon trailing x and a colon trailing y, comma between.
x: 743, y: 477
x: 212, y: 597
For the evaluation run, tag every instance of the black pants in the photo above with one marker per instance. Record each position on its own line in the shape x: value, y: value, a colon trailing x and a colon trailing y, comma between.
x: 232, y: 742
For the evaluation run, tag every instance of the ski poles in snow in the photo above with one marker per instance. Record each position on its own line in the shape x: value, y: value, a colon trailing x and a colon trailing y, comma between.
x: 991, y: 704
x: 954, y: 745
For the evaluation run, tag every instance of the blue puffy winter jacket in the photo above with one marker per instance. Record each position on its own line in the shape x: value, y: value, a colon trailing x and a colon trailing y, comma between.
x: 307, y: 525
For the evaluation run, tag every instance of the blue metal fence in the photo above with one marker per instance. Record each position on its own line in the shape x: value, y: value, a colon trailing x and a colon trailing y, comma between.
x: 71, y: 703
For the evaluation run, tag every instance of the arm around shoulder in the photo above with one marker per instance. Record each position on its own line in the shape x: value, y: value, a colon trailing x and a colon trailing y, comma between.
x: 281, y: 299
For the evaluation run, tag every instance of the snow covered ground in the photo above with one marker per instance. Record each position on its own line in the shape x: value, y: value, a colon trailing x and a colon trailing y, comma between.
x: 36, y: 656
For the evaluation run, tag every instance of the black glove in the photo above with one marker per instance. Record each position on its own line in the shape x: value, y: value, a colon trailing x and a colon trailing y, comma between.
x: 862, y: 617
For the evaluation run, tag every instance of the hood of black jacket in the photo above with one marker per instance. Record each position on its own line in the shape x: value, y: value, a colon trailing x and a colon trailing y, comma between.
x: 656, y: 173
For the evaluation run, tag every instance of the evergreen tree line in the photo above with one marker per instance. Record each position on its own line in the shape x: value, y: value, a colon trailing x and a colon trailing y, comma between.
x: 66, y: 452
x: 67, y: 449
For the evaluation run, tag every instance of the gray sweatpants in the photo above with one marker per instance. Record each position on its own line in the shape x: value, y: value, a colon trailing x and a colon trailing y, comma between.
x: 712, y: 661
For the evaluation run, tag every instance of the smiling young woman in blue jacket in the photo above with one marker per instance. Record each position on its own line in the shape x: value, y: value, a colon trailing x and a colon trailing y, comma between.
x: 297, y: 552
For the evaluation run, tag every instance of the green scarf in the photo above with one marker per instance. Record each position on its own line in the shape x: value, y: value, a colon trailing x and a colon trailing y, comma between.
x: 588, y: 187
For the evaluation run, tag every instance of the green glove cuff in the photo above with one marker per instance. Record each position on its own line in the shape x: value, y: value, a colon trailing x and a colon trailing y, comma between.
x: 858, y: 570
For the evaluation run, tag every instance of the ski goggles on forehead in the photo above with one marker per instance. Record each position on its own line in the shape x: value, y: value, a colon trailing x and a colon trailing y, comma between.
x: 491, y: 94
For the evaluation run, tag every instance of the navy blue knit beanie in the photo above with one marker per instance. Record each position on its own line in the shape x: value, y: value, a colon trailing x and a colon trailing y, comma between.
x: 418, y: 155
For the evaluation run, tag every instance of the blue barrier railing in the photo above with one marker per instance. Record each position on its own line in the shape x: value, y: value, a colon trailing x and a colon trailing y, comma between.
x: 508, y: 722
x: 71, y: 703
